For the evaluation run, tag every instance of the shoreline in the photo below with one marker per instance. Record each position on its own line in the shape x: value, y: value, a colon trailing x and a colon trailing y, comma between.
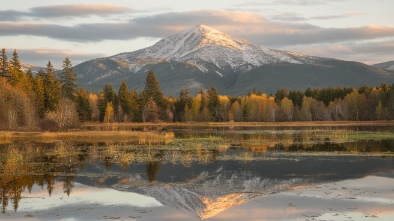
x: 154, y: 131
x: 247, y: 124
x: 91, y: 127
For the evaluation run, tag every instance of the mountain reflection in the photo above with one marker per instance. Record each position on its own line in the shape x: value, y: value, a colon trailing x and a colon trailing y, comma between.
x: 200, y: 180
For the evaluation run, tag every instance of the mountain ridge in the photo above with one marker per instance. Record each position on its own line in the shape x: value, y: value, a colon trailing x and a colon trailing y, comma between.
x: 389, y: 65
x: 203, y: 57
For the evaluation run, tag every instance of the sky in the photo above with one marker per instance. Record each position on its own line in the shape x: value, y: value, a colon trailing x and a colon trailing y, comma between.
x: 355, y: 30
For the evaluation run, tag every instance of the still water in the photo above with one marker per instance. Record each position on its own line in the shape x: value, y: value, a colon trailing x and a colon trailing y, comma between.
x: 236, y: 173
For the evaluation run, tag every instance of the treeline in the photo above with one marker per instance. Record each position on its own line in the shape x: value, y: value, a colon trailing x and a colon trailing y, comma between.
x: 51, y: 101
x: 44, y: 100
x: 327, y: 104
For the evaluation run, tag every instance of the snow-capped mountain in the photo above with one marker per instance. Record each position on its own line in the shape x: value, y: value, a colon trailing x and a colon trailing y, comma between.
x: 204, y: 46
x: 202, y: 57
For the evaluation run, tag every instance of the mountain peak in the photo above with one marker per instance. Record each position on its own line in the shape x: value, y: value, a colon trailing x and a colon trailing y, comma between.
x: 205, y: 28
x: 209, y: 36
x: 207, y: 48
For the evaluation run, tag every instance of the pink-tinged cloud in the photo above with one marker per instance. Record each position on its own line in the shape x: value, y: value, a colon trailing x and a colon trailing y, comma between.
x: 56, y: 56
x: 58, y: 11
x: 368, y: 52
x: 246, y: 25
x: 78, y: 10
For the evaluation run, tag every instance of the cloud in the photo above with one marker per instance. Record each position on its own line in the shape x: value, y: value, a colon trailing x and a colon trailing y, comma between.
x: 323, y: 35
x: 59, y: 11
x: 305, y: 2
x: 250, y: 26
x: 291, y: 17
x: 372, y: 44
x: 368, y: 52
x: 56, y: 56
x: 286, y: 2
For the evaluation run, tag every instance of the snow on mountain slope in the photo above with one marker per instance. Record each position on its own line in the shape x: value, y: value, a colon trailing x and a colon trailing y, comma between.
x: 204, y: 44
x: 389, y: 65
x: 213, y: 192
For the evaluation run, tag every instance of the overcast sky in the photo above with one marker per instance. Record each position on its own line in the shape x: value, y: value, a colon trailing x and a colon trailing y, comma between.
x: 359, y: 30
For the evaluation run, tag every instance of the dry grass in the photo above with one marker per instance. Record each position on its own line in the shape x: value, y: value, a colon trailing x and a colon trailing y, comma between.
x: 90, y: 136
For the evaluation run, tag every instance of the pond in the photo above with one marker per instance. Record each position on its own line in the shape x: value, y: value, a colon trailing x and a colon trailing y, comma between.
x: 215, y: 173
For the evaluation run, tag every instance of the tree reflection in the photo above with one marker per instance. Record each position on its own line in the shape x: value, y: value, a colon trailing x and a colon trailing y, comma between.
x: 152, y: 168
x: 68, y: 184
x: 24, y: 165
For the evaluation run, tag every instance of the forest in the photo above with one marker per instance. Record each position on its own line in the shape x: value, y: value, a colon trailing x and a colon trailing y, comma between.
x: 51, y: 100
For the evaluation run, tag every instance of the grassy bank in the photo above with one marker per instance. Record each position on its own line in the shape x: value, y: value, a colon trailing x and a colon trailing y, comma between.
x: 89, y: 136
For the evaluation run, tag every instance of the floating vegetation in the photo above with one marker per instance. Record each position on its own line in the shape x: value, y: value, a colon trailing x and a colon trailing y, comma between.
x: 371, y: 136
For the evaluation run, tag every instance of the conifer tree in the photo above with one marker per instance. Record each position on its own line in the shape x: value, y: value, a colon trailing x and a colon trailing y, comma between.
x: 51, y: 88
x: 83, y: 106
x: 180, y: 104
x: 15, y: 63
x: 30, y: 79
x: 136, y: 106
x: 124, y: 97
x: 152, y: 90
x: 67, y: 80
x: 213, y: 104
x: 106, y: 96
x: 16, y: 75
x: 39, y: 91
x: 4, y: 65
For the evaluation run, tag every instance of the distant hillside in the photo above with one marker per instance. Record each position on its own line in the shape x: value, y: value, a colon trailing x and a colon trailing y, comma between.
x: 330, y: 73
x: 386, y: 65
x: 203, y: 57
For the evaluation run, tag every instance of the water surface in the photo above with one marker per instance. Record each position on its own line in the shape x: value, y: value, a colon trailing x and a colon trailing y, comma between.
x: 201, y: 173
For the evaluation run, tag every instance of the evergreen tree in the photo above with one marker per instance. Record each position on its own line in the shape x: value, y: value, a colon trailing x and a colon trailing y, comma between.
x: 51, y: 88
x: 213, y: 104
x: 15, y: 63
x: 106, y: 96
x: 135, y: 106
x: 124, y: 97
x: 101, y: 105
x: 30, y: 80
x: 152, y: 90
x: 4, y: 66
x: 180, y: 104
x: 280, y: 94
x: 83, y: 106
x: 67, y: 80
x: 16, y: 75
x: 296, y: 97
x: 39, y: 91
